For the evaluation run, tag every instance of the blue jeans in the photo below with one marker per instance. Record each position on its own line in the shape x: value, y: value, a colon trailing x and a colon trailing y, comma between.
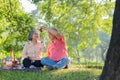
x: 50, y: 63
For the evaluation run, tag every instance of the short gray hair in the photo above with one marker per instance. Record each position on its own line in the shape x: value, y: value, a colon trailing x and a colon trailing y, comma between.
x: 54, y: 29
x: 31, y: 34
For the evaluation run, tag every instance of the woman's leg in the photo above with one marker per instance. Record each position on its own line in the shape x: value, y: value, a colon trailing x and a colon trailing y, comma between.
x: 62, y: 63
x: 26, y: 62
x: 37, y: 63
x: 48, y: 62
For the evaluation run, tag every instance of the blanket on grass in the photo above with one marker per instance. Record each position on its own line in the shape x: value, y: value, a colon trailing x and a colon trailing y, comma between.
x: 22, y: 69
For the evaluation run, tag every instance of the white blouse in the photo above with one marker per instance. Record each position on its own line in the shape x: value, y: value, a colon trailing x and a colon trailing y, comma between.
x: 33, y: 51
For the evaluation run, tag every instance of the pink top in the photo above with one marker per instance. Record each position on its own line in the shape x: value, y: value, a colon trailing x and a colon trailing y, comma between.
x: 33, y: 50
x: 57, y: 49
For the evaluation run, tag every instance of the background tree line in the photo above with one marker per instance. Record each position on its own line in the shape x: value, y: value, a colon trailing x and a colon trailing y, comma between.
x: 86, y: 24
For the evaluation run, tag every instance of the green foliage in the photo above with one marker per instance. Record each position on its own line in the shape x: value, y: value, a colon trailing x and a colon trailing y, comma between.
x: 14, y: 25
x: 79, y: 20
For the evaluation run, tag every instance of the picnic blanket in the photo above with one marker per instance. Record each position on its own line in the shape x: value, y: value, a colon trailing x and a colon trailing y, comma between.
x: 22, y: 69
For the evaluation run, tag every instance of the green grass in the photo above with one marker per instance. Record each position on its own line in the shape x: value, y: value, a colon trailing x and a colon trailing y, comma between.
x: 93, y: 65
x: 75, y: 72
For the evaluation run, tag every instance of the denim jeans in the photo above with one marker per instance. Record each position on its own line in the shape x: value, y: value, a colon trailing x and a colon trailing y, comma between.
x: 50, y: 63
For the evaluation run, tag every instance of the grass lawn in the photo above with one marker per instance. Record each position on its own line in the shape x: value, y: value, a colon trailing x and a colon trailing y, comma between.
x: 75, y: 72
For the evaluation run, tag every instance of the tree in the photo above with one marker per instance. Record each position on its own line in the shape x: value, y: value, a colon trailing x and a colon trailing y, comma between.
x: 79, y: 20
x: 111, y: 70
x: 14, y: 25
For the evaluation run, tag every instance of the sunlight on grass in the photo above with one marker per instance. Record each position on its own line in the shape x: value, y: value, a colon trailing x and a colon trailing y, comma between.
x: 73, y: 73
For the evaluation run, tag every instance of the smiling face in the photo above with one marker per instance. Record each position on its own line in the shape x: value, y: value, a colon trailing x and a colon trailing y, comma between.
x: 35, y: 36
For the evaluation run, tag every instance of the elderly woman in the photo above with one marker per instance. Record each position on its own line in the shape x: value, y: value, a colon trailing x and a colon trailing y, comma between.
x: 57, y: 57
x: 32, y: 51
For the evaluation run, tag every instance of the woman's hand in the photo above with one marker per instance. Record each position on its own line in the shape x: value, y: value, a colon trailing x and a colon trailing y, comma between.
x: 42, y: 39
x: 43, y: 47
x: 42, y: 28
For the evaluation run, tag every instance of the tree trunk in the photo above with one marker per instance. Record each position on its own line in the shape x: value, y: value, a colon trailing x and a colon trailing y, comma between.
x: 78, y: 59
x: 103, y: 52
x: 111, y: 70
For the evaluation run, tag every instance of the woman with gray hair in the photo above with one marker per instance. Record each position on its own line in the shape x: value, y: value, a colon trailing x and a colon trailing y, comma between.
x: 57, y: 57
x: 32, y: 51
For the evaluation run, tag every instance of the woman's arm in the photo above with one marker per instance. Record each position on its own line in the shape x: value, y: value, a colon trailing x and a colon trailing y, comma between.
x: 24, y: 53
x: 43, y: 47
x: 53, y: 32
